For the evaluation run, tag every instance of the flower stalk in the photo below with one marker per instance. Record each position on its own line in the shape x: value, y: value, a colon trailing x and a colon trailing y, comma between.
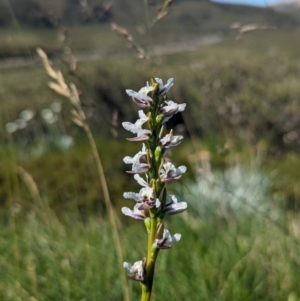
x: 79, y: 118
x: 153, y: 202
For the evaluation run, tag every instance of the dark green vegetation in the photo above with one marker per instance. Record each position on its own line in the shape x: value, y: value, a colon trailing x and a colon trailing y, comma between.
x: 243, y: 107
x: 238, y: 258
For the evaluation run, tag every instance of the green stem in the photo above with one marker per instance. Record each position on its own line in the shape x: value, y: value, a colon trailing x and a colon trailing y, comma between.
x: 150, y: 264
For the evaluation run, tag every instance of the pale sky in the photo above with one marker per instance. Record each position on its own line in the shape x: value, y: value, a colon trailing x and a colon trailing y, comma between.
x: 260, y: 3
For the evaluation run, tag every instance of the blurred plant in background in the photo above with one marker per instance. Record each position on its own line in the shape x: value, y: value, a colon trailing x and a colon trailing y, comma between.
x: 39, y: 134
x: 234, y: 192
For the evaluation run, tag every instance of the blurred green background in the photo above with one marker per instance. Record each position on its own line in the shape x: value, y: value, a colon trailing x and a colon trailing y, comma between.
x: 237, y: 68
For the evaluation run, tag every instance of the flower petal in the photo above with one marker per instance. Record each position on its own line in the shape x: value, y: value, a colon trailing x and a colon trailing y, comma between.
x: 136, y: 270
x: 140, y: 180
x: 141, y: 99
x: 136, y: 214
x: 175, y: 208
x: 167, y: 240
x: 163, y: 89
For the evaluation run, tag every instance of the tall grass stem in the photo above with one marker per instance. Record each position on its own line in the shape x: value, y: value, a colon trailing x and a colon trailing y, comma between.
x: 111, y: 212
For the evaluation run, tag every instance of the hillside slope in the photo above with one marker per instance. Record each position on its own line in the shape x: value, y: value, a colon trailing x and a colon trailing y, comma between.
x: 203, y: 14
x: 290, y: 8
x: 27, y: 24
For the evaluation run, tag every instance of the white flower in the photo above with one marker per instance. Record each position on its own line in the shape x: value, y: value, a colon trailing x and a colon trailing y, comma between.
x: 136, y: 213
x: 26, y: 115
x: 48, y: 116
x: 136, y: 270
x: 144, y: 198
x: 167, y: 240
x: 144, y: 194
x: 170, y: 173
x: 171, y: 109
x: 136, y: 128
x: 145, y: 90
x: 11, y: 127
x: 163, y: 89
x: 170, y: 141
x: 138, y: 162
x: 55, y: 107
x: 66, y: 141
x: 140, y: 180
x: 141, y: 98
x: 173, y: 206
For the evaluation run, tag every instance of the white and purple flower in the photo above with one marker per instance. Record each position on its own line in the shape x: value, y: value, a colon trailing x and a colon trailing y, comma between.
x: 136, y: 213
x: 136, y: 270
x: 170, y: 141
x: 167, y: 240
x: 173, y: 206
x: 163, y: 89
x: 170, y: 173
x: 141, y: 181
x: 136, y: 128
x: 141, y: 98
x: 144, y: 198
x: 171, y: 109
x: 139, y: 162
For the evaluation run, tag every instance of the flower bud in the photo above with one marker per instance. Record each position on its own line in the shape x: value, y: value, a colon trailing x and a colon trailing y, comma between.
x: 155, y: 86
x: 160, y: 230
x: 147, y: 224
x: 158, y: 153
x: 159, y: 118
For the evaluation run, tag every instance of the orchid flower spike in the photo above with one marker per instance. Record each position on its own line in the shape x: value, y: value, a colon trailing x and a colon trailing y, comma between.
x: 153, y: 174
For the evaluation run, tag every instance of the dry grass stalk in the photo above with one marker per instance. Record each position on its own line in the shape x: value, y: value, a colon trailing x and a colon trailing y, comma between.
x: 123, y: 32
x: 34, y: 192
x: 244, y: 29
x: 162, y: 11
x: 79, y: 118
x: 30, y: 183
